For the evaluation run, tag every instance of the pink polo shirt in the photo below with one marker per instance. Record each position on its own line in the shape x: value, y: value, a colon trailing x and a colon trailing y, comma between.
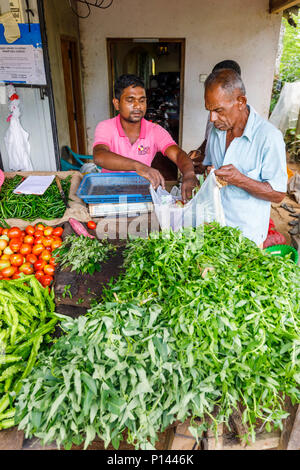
x: 152, y: 139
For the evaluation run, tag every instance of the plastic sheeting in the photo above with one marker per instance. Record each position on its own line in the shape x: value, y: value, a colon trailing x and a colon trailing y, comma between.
x: 205, y: 206
x: 286, y: 112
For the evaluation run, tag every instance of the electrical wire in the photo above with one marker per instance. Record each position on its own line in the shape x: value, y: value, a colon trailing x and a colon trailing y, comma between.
x: 97, y: 4
x: 76, y: 13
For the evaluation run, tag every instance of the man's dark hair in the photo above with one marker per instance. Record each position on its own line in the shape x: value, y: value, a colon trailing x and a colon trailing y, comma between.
x: 125, y: 81
x: 227, y: 64
x: 228, y: 79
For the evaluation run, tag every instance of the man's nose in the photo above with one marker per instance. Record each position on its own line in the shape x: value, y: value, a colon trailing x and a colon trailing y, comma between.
x: 213, y: 116
x: 136, y: 104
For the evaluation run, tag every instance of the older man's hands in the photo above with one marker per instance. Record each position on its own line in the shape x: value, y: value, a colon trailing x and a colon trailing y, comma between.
x: 197, y: 158
x: 230, y: 174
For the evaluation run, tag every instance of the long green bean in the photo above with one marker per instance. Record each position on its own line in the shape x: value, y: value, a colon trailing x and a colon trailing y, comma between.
x: 29, y: 206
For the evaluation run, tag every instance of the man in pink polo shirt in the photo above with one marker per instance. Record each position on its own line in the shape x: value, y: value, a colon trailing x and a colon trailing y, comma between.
x: 128, y: 142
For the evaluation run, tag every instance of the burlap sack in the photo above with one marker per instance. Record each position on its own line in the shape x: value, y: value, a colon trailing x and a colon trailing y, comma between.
x: 78, y: 209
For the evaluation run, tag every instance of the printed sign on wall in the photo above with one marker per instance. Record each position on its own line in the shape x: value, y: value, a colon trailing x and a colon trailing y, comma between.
x: 22, y: 61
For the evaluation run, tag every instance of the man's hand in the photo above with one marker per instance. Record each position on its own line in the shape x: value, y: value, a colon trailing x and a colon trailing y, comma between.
x: 231, y: 175
x: 189, y: 182
x: 151, y: 174
x: 197, y: 157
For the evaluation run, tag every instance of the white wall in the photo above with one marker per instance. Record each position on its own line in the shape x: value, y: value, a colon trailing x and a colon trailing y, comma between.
x: 242, y: 30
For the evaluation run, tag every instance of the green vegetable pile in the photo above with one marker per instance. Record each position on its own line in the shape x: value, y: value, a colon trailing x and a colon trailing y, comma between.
x: 83, y: 254
x: 29, y: 206
x: 26, y: 319
x: 201, y: 322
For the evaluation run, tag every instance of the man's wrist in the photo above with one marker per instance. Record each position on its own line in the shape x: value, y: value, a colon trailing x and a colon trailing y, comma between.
x: 188, y: 174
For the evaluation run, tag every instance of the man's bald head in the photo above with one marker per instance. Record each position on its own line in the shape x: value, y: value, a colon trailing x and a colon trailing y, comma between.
x: 229, y: 80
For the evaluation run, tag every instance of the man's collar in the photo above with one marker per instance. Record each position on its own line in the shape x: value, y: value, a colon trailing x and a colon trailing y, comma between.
x: 248, y: 131
x: 121, y: 130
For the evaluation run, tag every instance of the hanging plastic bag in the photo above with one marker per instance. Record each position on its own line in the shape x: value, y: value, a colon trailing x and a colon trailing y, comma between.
x: 205, y: 206
x: 274, y: 237
x: 16, y: 138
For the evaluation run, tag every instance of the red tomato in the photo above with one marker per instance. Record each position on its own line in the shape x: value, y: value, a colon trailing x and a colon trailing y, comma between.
x: 57, y: 232
x: 29, y: 239
x: 1, y: 230
x: 47, y: 241
x: 49, y: 269
x: 39, y: 265
x: 14, y: 232
x: 45, y: 255
x: 1, y: 277
x: 38, y: 249
x: 16, y: 259
x: 9, y: 271
x: 5, y: 231
x: 31, y: 258
x: 3, y: 244
x: 91, y: 224
x: 4, y: 264
x: 38, y: 233
x: 48, y: 248
x: 15, y: 244
x: 56, y: 243
x: 52, y: 261
x: 25, y: 249
x: 46, y: 280
x: 39, y: 275
x: 40, y: 227
x: 17, y: 275
x: 26, y: 268
x: 48, y: 231
x: 30, y: 230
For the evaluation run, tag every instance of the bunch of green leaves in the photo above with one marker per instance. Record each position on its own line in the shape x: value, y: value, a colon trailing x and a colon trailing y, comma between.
x: 83, y: 254
x: 201, y: 322
x: 26, y: 319
x: 292, y: 141
x: 290, y: 58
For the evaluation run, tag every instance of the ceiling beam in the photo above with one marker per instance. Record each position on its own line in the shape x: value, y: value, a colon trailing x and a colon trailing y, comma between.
x: 275, y: 6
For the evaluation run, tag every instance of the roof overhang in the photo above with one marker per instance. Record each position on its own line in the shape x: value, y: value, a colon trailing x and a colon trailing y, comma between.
x: 276, y: 6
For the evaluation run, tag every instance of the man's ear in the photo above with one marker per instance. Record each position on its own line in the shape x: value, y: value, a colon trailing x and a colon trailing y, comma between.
x: 116, y: 104
x: 242, y: 100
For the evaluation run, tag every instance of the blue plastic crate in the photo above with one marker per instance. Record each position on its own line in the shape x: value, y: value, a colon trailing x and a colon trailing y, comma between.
x: 113, y: 188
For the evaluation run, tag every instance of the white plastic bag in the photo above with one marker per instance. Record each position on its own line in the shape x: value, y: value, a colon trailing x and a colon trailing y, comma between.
x: 16, y: 138
x: 205, y: 206
x: 286, y: 111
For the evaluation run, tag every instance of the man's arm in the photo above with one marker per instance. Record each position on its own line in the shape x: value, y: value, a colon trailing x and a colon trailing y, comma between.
x: 261, y: 190
x: 112, y: 161
x: 185, y: 165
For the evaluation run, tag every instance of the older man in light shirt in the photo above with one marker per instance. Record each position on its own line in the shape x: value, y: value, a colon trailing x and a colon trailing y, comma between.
x: 248, y: 154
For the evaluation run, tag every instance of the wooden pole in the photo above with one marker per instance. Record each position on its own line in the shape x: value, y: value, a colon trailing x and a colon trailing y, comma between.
x: 275, y: 6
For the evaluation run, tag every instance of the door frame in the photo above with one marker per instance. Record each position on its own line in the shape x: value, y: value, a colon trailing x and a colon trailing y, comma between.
x: 49, y: 86
x: 111, y: 78
x: 77, y: 93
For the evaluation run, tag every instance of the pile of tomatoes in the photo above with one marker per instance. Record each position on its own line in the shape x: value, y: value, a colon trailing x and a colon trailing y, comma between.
x: 29, y: 251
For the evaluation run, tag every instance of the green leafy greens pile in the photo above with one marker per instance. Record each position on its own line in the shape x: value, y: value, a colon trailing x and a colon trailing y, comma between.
x: 200, y: 322
x: 83, y: 254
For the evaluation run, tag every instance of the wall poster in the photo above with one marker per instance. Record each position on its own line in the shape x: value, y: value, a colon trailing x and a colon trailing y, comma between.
x: 22, y: 61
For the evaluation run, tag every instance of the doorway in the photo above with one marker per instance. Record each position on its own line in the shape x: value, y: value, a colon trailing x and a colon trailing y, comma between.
x: 70, y: 60
x: 160, y: 63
